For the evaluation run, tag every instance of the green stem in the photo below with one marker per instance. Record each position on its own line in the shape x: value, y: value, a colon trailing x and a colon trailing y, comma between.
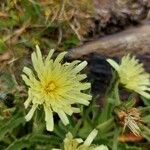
x: 38, y: 125
x: 146, y: 119
x: 145, y: 132
x: 115, y: 140
x: 116, y: 92
x: 58, y: 132
x: 112, y: 100
x: 144, y: 109
x: 111, y: 85
x: 106, y: 125
x: 144, y: 128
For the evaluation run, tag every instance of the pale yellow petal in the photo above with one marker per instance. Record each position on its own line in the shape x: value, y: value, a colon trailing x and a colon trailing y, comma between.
x: 101, y: 147
x: 82, y: 101
x: 37, y: 61
x: 76, y: 110
x: 27, y: 80
x: 59, y: 57
x: 63, y: 117
x: 80, y: 67
x: 31, y: 112
x: 28, y: 101
x: 113, y: 64
x: 73, y: 64
x: 39, y: 55
x: 85, y: 86
x: 49, y: 55
x: 91, y: 137
x: 28, y: 72
x: 144, y: 94
x: 34, y: 61
x: 49, y: 118
x: 81, y: 77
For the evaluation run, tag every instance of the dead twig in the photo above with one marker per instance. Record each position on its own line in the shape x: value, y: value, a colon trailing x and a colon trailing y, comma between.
x: 13, y: 36
x: 133, y: 40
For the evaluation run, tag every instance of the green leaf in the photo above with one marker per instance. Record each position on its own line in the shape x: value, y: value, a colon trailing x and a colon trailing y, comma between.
x: 85, y: 130
x: 32, y: 10
x: 146, y: 119
x: 8, y: 81
x: 130, y: 103
x: 145, y: 131
x: 146, y: 101
x: 19, y: 144
x: 8, y: 126
x: 72, y: 41
x: 127, y: 147
x: 115, y: 139
x: 38, y: 121
x: 41, y: 139
x: 3, y: 46
x: 34, y: 140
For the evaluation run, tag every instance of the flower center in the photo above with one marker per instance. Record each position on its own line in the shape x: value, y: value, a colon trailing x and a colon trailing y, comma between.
x: 50, y: 87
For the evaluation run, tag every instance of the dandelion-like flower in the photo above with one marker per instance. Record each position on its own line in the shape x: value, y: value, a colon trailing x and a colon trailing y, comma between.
x: 77, y: 144
x: 132, y: 75
x: 56, y: 86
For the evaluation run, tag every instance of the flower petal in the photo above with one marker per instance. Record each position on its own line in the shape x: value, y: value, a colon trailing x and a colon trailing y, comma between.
x: 31, y: 112
x: 49, y: 118
x: 49, y: 55
x: 76, y: 110
x: 113, y: 64
x: 27, y: 80
x: 39, y: 55
x: 63, y: 117
x: 28, y: 101
x: 85, y: 86
x: 28, y: 71
x: 80, y: 67
x: 59, y: 57
x: 91, y: 137
x: 101, y: 147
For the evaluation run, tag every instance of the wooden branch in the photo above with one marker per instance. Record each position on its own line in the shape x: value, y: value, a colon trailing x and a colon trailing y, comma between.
x: 134, y: 40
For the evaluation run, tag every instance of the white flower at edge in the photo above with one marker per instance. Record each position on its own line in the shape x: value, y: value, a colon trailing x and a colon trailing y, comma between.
x: 132, y: 75
x: 78, y: 144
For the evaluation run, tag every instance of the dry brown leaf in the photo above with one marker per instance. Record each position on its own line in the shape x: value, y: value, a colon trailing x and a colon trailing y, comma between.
x: 130, y: 137
x: 3, y: 14
x: 5, y: 57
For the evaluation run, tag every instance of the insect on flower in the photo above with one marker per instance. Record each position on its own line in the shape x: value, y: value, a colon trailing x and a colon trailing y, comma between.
x: 55, y: 86
x: 132, y: 75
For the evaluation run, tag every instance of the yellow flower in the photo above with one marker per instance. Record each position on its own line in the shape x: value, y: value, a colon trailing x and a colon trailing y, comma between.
x: 78, y: 144
x: 132, y: 75
x: 56, y: 86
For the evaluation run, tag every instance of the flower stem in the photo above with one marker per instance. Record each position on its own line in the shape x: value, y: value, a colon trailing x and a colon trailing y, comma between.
x: 38, y: 126
x: 106, y: 125
x: 116, y: 93
x: 144, y: 109
x: 115, y: 140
